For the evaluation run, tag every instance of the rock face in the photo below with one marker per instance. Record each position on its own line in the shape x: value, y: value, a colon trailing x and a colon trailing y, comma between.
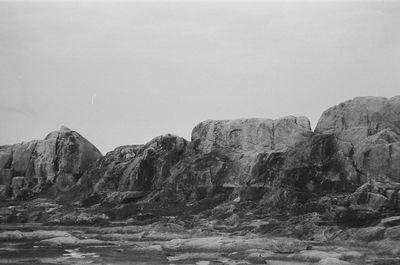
x: 370, y: 127
x: 249, y: 134
x: 138, y: 168
x: 356, y: 119
x: 346, y: 172
x: 222, y: 155
x: 57, y: 161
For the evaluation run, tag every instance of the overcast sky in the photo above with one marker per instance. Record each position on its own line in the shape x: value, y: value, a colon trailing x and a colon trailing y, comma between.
x: 124, y: 72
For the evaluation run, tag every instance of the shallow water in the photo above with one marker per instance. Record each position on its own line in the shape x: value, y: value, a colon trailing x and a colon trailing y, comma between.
x: 17, y: 251
x: 146, y: 252
x: 33, y: 253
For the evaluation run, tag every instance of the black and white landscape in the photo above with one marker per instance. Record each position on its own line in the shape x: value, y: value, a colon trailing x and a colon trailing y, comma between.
x: 200, y: 132
x: 245, y: 191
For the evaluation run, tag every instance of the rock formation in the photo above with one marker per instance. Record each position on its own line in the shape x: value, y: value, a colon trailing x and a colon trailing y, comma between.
x: 356, y: 119
x: 369, y: 128
x: 221, y: 154
x: 249, y: 134
x: 56, y: 162
x: 280, y: 191
x: 347, y: 171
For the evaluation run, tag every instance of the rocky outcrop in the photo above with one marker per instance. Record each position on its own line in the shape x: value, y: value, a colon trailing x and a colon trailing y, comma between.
x: 145, y: 169
x: 249, y: 134
x: 378, y: 156
x: 356, y: 119
x: 169, y: 168
x: 128, y: 170
x: 281, y: 165
x: 370, y: 127
x: 107, y: 173
x: 56, y: 162
x: 344, y: 173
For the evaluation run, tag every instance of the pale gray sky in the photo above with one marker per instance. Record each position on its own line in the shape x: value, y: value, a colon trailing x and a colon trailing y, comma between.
x: 151, y: 68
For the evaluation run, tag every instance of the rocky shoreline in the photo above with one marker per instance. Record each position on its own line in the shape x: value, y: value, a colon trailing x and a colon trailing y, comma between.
x: 173, y: 243
x: 244, y: 191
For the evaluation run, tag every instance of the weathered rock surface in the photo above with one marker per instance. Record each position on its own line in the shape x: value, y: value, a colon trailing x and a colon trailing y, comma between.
x: 248, y: 175
x: 35, y: 235
x: 390, y: 221
x: 57, y: 161
x: 356, y: 119
x: 370, y: 126
x: 130, y: 172
x: 333, y: 261
x: 70, y: 240
x: 249, y: 134
x: 370, y: 233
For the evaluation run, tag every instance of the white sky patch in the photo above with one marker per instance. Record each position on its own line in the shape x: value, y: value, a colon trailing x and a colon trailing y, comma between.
x: 93, y: 96
x: 164, y: 66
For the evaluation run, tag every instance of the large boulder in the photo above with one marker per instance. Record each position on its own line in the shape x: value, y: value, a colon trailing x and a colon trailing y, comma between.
x: 372, y: 126
x: 378, y: 156
x: 57, y: 161
x: 356, y: 119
